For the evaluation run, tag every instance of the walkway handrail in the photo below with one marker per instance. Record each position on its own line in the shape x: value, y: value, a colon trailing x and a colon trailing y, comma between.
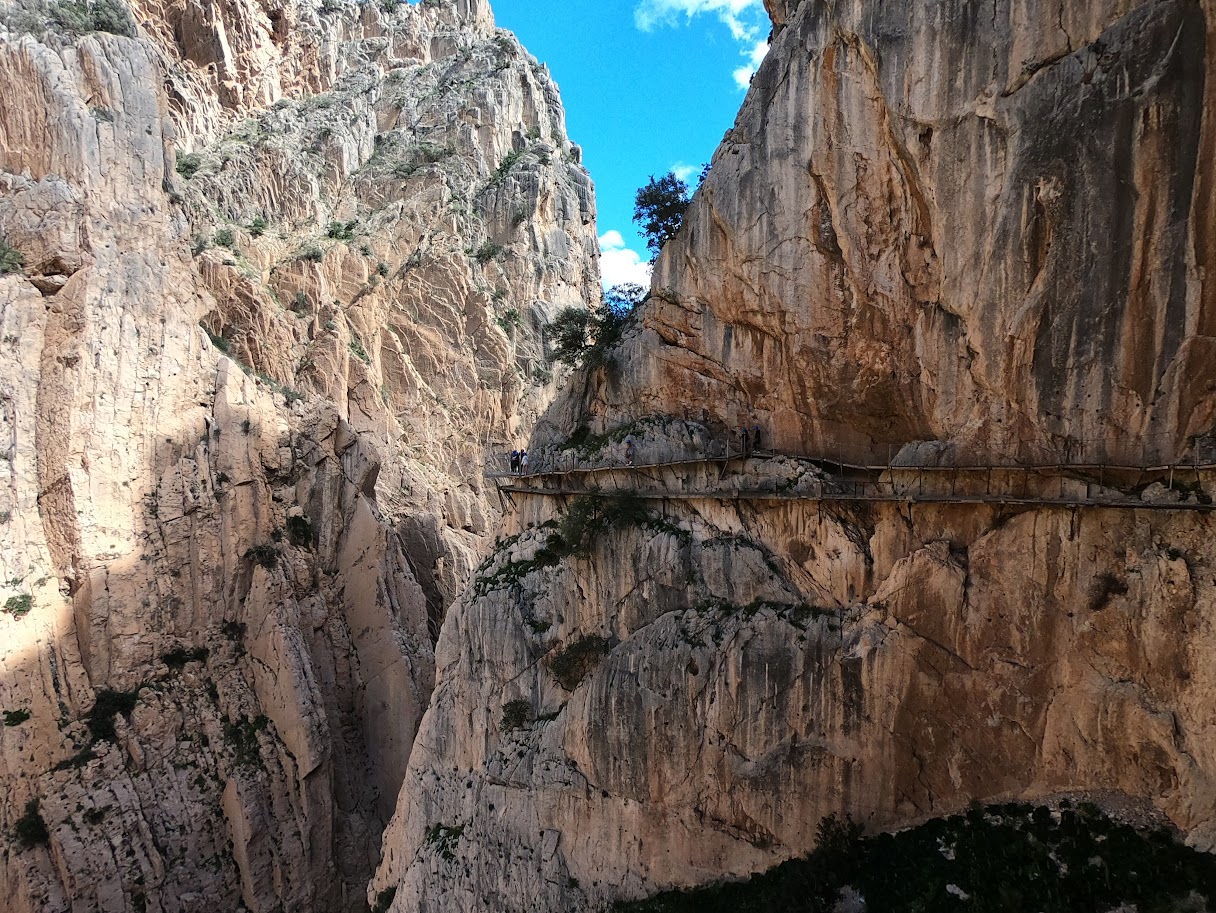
x: 544, y: 468
x: 884, y: 484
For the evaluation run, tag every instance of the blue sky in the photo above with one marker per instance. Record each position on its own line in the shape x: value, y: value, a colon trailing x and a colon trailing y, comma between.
x: 648, y: 86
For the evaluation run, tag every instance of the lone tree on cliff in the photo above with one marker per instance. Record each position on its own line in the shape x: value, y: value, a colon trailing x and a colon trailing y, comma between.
x: 659, y: 209
x: 580, y: 336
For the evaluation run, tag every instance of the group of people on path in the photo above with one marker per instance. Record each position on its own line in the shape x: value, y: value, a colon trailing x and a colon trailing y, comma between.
x: 749, y: 443
x: 519, y: 462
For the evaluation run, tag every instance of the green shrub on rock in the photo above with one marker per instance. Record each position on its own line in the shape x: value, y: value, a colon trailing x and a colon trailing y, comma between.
x: 11, y: 259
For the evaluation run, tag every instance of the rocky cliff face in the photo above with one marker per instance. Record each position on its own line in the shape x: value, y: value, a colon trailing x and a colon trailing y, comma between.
x: 285, y: 273
x: 983, y: 228
x: 936, y: 223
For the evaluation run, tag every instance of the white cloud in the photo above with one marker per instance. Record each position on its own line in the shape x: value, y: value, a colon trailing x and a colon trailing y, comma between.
x: 685, y: 172
x: 746, y: 19
x: 619, y: 264
x: 743, y: 75
x: 650, y: 13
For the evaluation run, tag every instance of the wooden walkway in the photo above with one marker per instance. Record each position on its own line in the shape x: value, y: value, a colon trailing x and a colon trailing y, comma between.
x: 1048, y: 485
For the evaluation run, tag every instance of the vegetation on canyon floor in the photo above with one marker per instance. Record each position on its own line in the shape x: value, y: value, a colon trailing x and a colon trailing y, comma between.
x: 1009, y: 858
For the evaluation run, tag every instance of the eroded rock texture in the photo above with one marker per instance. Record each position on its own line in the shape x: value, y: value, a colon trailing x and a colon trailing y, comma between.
x: 946, y: 221
x: 247, y: 395
x: 956, y: 230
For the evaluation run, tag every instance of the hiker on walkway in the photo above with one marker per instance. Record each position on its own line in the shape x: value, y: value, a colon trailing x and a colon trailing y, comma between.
x: 631, y: 451
x: 744, y: 441
x: 756, y: 437
x: 523, y: 462
x: 515, y: 462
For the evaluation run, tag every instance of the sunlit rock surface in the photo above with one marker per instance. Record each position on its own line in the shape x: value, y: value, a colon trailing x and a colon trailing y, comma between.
x: 249, y: 554
x: 947, y: 230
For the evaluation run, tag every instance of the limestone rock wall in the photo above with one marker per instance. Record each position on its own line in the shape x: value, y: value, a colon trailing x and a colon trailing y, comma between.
x: 936, y: 222
x: 285, y: 274
x: 959, y: 231
x: 764, y: 665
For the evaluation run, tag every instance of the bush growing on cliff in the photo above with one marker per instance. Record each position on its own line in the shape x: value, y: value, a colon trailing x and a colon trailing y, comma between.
x: 572, y: 663
x: 582, y: 337
x: 444, y: 839
x: 108, y: 704
x: 341, y: 231
x: 265, y: 555
x: 587, y: 517
x: 79, y: 17
x: 30, y: 829
x: 242, y: 738
x: 658, y: 208
x: 19, y: 605
x: 515, y: 715
x: 188, y: 164
x: 11, y: 259
x: 385, y: 898
x: 16, y: 717
x: 489, y: 250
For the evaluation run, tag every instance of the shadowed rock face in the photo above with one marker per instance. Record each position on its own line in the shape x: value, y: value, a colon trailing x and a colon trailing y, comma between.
x: 981, y: 228
x: 245, y: 400
x: 932, y: 222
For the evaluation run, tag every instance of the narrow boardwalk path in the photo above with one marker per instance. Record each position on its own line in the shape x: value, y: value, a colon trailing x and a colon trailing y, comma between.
x: 1178, y: 487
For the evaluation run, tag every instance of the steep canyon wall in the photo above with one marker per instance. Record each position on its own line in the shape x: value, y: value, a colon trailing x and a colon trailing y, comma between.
x: 286, y: 269
x: 971, y: 232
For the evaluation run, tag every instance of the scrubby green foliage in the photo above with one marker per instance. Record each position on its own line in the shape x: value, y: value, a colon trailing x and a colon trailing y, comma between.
x: 11, y: 259
x: 385, y: 898
x: 30, y: 829
x: 488, y: 251
x: 178, y: 657
x: 299, y: 531
x: 572, y: 663
x: 509, y: 320
x: 505, y: 166
x: 357, y: 350
x: 19, y: 605
x: 1011, y: 858
x: 257, y: 227
x: 217, y: 340
x: 444, y: 839
x: 415, y: 158
x: 242, y: 738
x: 225, y: 238
x: 341, y: 231
x: 659, y: 209
x: 586, y: 518
x: 265, y: 555
x: 79, y: 17
x: 108, y: 704
x: 582, y: 337
x: 15, y: 717
x: 587, y: 443
x: 515, y: 714
x: 188, y: 164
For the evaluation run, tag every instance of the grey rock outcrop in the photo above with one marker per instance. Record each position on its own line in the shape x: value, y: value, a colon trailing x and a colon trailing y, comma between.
x: 983, y: 229
x: 933, y: 235
x: 248, y: 393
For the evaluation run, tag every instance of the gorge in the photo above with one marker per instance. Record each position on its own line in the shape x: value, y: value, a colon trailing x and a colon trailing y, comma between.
x: 274, y: 641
